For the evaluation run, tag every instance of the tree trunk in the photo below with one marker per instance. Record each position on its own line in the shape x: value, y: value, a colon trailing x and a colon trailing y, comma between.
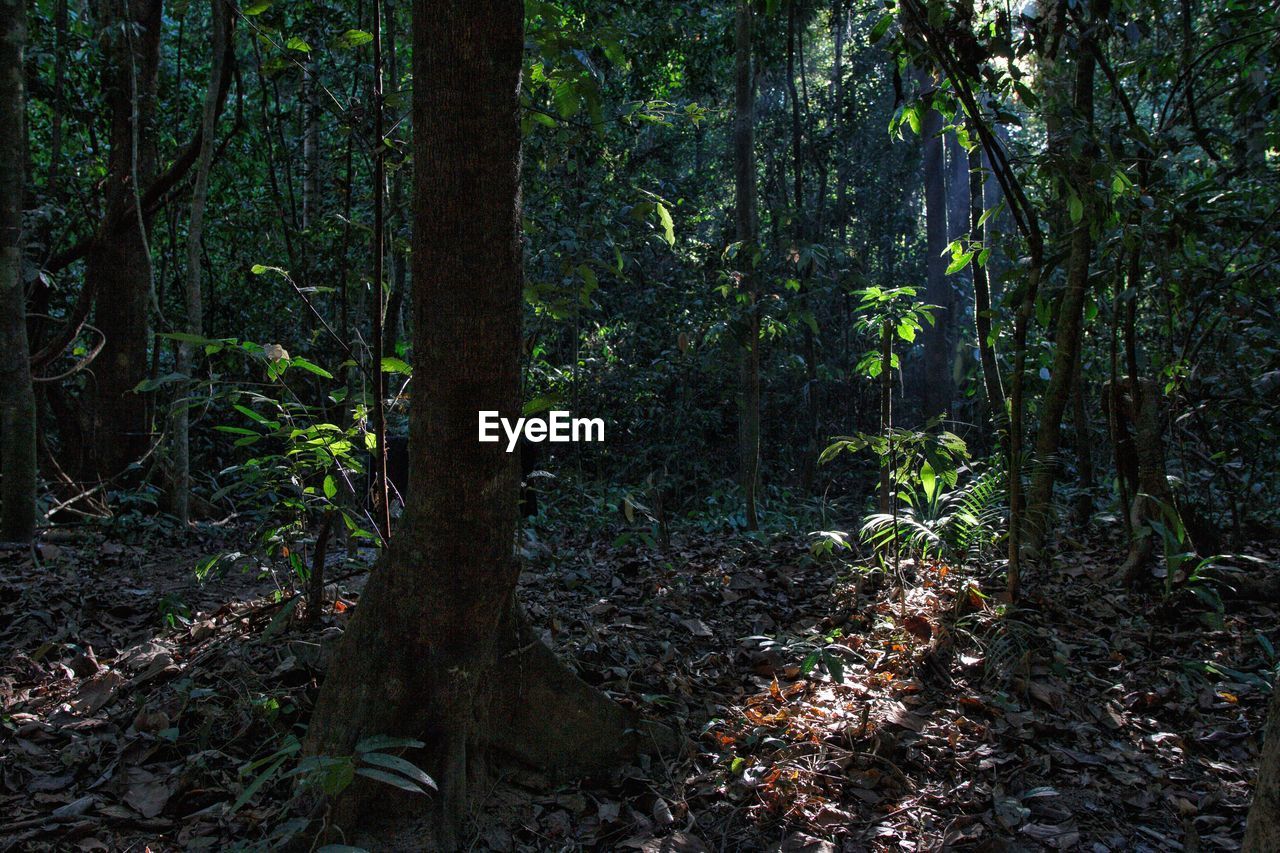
x: 957, y: 228
x: 118, y: 266
x: 394, y: 324
x: 1262, y: 833
x: 438, y: 649
x: 218, y: 28
x: 1068, y: 332
x: 1057, y: 395
x: 886, y: 415
x: 17, y: 399
x: 1080, y: 430
x: 744, y: 170
x: 800, y: 233
x: 982, y: 313
x: 936, y: 396
x: 381, y: 503
x: 1136, y: 407
x: 310, y: 96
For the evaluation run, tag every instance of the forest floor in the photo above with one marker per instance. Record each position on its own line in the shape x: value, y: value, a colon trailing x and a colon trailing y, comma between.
x: 1089, y: 718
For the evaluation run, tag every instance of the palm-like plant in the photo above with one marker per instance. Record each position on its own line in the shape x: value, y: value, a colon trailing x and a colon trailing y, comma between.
x: 955, y: 524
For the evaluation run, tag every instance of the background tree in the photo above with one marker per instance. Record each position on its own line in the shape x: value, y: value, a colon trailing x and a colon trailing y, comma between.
x: 745, y: 222
x: 1263, y: 830
x: 17, y: 400
x: 220, y: 27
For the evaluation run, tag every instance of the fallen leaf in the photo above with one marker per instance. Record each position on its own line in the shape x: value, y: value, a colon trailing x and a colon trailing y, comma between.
x: 676, y: 842
x: 97, y: 692
x: 697, y: 627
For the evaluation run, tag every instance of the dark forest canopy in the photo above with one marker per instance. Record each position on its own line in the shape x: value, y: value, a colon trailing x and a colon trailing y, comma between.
x: 936, y: 350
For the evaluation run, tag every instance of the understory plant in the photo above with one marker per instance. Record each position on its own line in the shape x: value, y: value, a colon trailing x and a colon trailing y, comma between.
x: 303, y: 473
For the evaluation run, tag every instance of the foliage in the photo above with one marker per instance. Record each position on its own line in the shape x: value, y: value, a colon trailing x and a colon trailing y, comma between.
x: 332, y: 774
x: 959, y: 525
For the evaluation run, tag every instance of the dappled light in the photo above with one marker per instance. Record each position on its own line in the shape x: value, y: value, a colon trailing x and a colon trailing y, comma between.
x: 549, y: 425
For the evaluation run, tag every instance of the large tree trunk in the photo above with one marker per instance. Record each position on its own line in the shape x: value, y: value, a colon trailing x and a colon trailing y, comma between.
x: 936, y: 396
x: 118, y: 266
x: 437, y: 649
x: 17, y: 400
x: 744, y: 171
x: 1262, y: 834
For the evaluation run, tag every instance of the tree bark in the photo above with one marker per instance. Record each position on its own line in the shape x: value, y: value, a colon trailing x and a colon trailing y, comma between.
x: 1137, y: 407
x: 991, y: 382
x: 936, y: 394
x: 800, y: 233
x: 381, y: 504
x: 1080, y: 430
x: 394, y: 325
x: 219, y: 25
x: 744, y: 170
x: 17, y: 399
x: 957, y: 228
x: 1068, y: 332
x: 1262, y: 833
x: 438, y: 649
x: 118, y: 266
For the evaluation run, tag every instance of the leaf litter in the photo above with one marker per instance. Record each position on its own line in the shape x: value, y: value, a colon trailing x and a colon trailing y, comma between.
x: 825, y: 707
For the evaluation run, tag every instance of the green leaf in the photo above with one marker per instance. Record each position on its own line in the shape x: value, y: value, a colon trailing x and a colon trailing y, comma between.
x: 252, y: 787
x: 257, y: 8
x: 810, y: 320
x: 252, y: 415
x: 668, y: 225
x: 281, y: 619
x: 928, y: 481
x: 152, y: 384
x: 390, y: 778
x: 990, y: 212
x: 835, y: 666
x: 373, y: 743
x: 959, y: 262
x: 353, y: 38
x: 312, y: 368
x: 912, y: 115
x: 330, y: 487
x: 235, y: 430
x: 186, y: 338
x: 810, y: 661
x: 1027, y: 96
x: 296, y: 43
x: 881, y: 27
x: 538, y: 405
x: 402, y: 766
x: 1076, y: 208
x: 391, y: 364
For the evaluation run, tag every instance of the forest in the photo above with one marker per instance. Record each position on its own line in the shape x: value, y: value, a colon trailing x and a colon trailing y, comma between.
x: 683, y: 426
